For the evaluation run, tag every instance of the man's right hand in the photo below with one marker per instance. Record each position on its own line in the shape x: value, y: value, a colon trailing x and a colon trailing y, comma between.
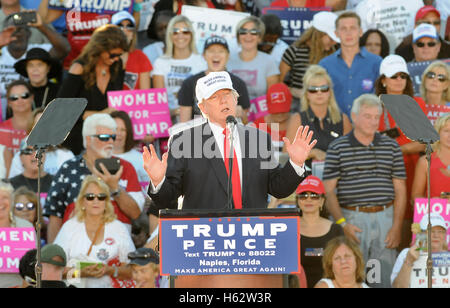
x: 155, y: 168
x: 350, y: 231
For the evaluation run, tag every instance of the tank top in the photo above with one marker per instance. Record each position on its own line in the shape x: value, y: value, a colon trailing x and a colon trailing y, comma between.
x: 439, y: 181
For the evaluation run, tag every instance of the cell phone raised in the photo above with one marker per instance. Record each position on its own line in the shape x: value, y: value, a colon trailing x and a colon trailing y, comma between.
x: 111, y: 164
x: 24, y: 18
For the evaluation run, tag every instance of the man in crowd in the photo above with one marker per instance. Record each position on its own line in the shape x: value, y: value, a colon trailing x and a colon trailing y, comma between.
x: 426, y: 43
x: 352, y: 69
x: 128, y: 200
x: 54, y: 261
x: 368, y: 171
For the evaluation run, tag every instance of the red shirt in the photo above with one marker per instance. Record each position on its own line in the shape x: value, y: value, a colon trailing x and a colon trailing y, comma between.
x: 309, y: 3
x: 137, y: 63
x: 439, y: 181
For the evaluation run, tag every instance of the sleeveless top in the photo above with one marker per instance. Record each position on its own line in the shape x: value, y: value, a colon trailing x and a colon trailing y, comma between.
x: 439, y: 181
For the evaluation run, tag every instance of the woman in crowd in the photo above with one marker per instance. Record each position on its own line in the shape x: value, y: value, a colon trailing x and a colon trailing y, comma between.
x: 435, y: 85
x: 440, y: 162
x: 255, y: 68
x: 96, y: 71
x: 401, y: 273
x: 137, y: 65
x: 96, y: 237
x: 157, y: 33
x: 179, y: 62
x: 395, y: 80
x: 343, y: 265
x: 20, y: 101
x: 25, y: 203
x: 320, y: 111
x: 375, y: 42
x: 40, y: 69
x: 9, y: 220
x: 315, y: 44
x: 125, y: 143
x: 316, y: 231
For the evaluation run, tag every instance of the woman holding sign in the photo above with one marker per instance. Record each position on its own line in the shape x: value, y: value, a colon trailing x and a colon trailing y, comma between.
x: 8, y: 220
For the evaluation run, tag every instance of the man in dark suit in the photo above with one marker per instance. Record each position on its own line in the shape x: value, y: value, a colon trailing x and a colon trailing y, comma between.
x: 195, y: 166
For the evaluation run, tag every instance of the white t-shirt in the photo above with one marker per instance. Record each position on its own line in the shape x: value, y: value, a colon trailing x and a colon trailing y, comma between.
x: 278, y: 51
x: 117, y: 243
x: 394, y: 17
x: 175, y: 71
x: 254, y: 72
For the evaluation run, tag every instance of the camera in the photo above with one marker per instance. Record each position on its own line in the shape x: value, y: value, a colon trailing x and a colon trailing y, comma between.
x: 23, y: 18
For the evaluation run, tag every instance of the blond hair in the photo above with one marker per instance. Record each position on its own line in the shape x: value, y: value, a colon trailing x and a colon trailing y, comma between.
x: 438, y: 125
x: 314, y: 72
x: 446, y: 67
x: 317, y: 51
x: 169, y: 35
x: 80, y: 212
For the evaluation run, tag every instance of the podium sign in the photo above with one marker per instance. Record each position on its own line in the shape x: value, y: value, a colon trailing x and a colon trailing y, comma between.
x: 230, y: 245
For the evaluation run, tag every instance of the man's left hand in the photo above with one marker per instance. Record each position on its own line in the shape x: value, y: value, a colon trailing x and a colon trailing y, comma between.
x: 300, y: 148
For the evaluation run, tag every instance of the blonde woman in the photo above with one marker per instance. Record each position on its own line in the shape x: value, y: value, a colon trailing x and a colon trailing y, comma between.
x: 96, y: 237
x: 320, y: 111
x: 8, y: 220
x: 435, y: 85
x: 343, y: 265
x: 440, y: 165
x: 179, y: 62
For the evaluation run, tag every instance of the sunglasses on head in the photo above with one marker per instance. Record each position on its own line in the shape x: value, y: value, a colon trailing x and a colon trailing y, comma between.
x: 181, y: 30
x: 323, y: 89
x: 16, y: 97
x: 429, y: 44
x: 433, y: 75
x: 29, y: 206
x: 91, y: 197
x: 401, y: 75
x: 248, y: 31
x: 27, y: 151
x: 306, y: 195
x: 114, y: 55
x: 105, y: 137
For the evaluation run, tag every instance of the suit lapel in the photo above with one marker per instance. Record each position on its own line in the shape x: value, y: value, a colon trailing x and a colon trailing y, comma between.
x: 216, y: 162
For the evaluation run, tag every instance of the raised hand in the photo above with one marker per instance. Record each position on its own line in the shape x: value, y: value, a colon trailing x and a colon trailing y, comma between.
x: 155, y: 168
x: 300, y: 148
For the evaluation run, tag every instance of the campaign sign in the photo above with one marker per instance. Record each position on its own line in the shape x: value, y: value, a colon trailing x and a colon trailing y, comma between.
x: 440, y: 206
x: 440, y: 275
x: 258, y: 108
x: 230, y: 245
x: 11, y: 138
x: 294, y: 20
x: 14, y: 244
x: 93, y: 6
x: 148, y: 110
x: 416, y: 70
x: 434, y: 112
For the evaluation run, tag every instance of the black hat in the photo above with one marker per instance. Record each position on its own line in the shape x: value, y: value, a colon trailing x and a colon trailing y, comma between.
x: 143, y: 256
x: 216, y: 40
x: 39, y: 54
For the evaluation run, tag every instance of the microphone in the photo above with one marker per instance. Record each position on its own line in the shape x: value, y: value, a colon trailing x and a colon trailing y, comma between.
x: 231, y: 122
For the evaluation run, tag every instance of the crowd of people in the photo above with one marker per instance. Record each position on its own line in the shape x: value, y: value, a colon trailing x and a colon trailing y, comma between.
x: 359, y: 207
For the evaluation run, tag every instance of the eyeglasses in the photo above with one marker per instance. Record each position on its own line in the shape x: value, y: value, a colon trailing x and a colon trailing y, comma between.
x: 429, y: 44
x: 313, y: 196
x: 105, y: 137
x: 434, y: 22
x: 249, y: 31
x: 433, y: 75
x: 91, y: 197
x: 29, y: 206
x: 127, y: 27
x: 323, y: 89
x: 16, y: 97
x: 184, y: 31
x: 115, y: 55
x: 27, y: 151
x: 401, y: 75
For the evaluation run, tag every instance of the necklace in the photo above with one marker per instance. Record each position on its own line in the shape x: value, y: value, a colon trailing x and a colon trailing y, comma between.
x: 103, y: 73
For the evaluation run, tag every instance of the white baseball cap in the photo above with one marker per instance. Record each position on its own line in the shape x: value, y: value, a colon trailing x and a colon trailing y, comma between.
x: 392, y: 65
x: 425, y: 30
x: 211, y: 83
x: 326, y: 22
x: 118, y: 17
x: 436, y: 221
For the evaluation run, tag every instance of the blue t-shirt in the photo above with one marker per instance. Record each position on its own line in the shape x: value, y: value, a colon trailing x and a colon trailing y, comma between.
x: 350, y: 83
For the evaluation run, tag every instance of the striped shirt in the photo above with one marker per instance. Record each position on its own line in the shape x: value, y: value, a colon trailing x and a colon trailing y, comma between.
x: 364, y: 173
x: 298, y: 60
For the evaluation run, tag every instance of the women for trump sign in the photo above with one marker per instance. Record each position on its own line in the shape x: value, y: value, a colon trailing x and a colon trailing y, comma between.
x: 148, y: 110
x: 14, y: 244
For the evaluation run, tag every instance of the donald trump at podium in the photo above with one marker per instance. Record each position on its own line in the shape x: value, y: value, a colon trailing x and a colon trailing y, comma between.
x: 197, y: 163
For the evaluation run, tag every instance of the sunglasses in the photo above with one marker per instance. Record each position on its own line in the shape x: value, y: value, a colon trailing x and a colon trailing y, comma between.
x: 105, y: 137
x: 429, y: 44
x: 185, y: 31
x: 22, y: 206
x: 434, y: 22
x: 127, y: 27
x: 115, y: 55
x: 313, y: 196
x: 16, y: 97
x: 249, y: 31
x: 91, y: 197
x: 401, y: 75
x: 433, y: 75
x: 28, y: 151
x: 323, y: 89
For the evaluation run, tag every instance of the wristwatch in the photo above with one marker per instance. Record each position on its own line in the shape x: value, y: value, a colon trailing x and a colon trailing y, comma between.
x: 116, y: 192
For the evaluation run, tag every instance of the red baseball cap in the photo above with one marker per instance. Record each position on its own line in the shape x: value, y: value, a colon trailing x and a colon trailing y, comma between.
x: 279, y: 98
x: 311, y: 183
x: 424, y: 11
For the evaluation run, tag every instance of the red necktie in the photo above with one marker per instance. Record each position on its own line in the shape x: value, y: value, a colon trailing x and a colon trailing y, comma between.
x: 236, y: 178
